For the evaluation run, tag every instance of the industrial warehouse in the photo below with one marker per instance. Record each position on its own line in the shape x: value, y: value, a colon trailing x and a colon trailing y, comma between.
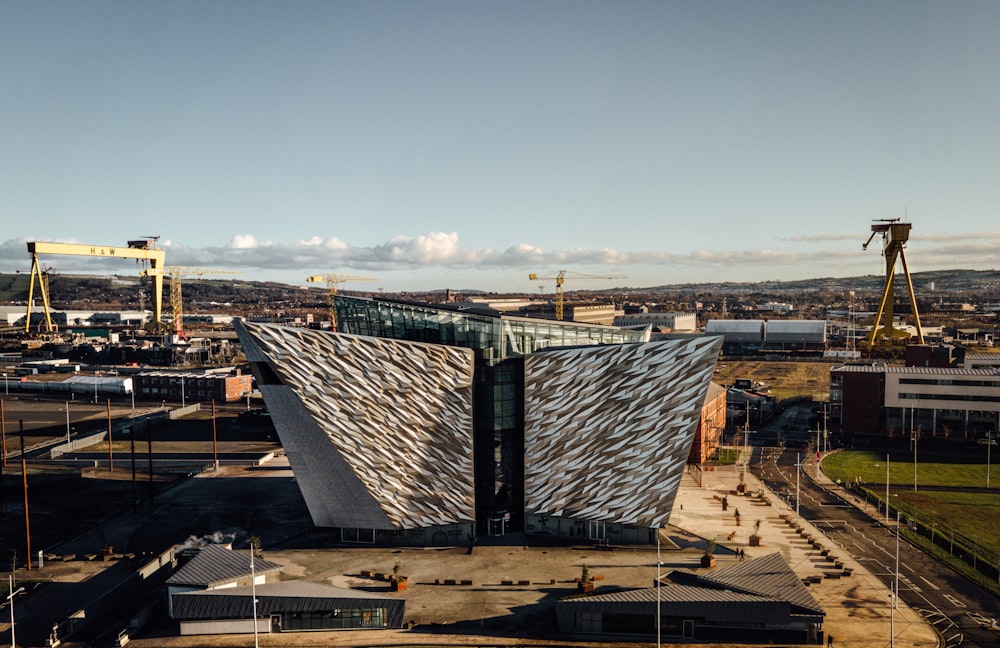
x: 423, y: 425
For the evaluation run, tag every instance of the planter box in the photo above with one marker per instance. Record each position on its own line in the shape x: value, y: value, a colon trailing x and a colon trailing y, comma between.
x: 708, y: 561
x: 754, y: 541
x: 398, y: 585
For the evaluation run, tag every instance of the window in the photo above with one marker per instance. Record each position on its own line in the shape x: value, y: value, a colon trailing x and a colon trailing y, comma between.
x: 366, y: 536
x: 588, y: 621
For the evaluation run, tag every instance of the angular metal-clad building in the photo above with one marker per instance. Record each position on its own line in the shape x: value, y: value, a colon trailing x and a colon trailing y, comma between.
x: 424, y: 424
x: 378, y: 432
x: 607, y: 430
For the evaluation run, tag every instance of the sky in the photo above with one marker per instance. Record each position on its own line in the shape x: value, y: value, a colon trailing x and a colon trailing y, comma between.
x: 465, y: 145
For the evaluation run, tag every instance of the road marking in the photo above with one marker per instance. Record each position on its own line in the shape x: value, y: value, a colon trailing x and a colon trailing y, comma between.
x: 930, y: 584
x: 954, y: 601
x: 981, y: 619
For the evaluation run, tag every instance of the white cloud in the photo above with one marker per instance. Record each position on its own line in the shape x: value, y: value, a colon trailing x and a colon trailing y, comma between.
x: 443, y: 251
x: 243, y: 242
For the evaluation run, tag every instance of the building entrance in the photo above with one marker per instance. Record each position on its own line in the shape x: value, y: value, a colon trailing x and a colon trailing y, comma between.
x: 497, y: 525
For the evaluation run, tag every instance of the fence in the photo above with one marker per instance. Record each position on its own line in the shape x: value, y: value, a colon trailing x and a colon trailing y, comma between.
x: 945, y: 540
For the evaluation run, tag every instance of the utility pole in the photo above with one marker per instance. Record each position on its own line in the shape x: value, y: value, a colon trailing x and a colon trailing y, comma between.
x: 817, y: 450
x: 3, y: 432
x: 24, y: 476
x: 111, y: 456
x: 149, y: 445
x: 135, y: 499
x: 215, y: 442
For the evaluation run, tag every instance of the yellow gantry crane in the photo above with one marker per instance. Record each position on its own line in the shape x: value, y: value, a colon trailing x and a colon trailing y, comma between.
x: 894, y: 237
x: 143, y: 250
x: 176, y: 274
x: 560, y: 278
x: 332, y: 281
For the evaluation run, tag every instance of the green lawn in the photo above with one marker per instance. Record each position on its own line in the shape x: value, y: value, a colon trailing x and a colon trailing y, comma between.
x: 848, y: 465
x: 975, y: 515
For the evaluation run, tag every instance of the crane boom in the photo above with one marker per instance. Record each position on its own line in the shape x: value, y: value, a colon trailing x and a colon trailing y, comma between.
x: 560, y: 278
x: 332, y: 281
x: 176, y: 299
x: 142, y: 250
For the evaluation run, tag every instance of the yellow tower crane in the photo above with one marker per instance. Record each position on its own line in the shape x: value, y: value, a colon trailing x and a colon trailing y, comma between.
x: 176, y: 274
x: 143, y: 250
x: 332, y: 281
x: 894, y: 237
x: 560, y: 277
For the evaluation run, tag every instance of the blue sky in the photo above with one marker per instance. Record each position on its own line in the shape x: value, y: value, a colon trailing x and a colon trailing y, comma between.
x: 465, y: 144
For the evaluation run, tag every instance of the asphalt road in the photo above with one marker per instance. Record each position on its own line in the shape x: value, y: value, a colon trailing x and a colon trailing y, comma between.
x: 961, y: 611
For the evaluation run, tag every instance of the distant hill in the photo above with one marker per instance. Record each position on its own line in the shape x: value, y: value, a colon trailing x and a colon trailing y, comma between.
x: 123, y: 291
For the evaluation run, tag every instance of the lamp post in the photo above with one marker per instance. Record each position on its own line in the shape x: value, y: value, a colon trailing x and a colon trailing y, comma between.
x: 894, y: 594
x: 887, y: 489
x: 182, y: 391
x: 67, y: 421
x: 6, y: 389
x: 989, y: 442
x: 798, y: 470
x: 10, y: 597
x: 253, y: 590
x: 659, y: 568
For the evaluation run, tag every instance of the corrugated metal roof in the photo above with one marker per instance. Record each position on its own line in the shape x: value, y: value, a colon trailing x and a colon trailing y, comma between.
x: 714, y: 390
x: 944, y: 371
x: 768, y: 576
x: 674, y: 593
x: 275, y: 598
x: 734, y: 325
x: 216, y: 564
x: 938, y: 371
x: 859, y: 368
x: 796, y: 326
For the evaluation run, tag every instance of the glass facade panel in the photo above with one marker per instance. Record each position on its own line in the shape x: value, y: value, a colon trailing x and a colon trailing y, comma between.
x: 508, y: 337
x: 333, y: 619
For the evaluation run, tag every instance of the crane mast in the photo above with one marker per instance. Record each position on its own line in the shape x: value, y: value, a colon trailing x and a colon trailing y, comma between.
x: 332, y: 281
x: 176, y: 298
x: 894, y: 237
x: 560, y: 278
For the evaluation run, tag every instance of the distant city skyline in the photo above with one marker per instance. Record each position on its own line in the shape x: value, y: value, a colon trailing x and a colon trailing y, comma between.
x: 464, y: 145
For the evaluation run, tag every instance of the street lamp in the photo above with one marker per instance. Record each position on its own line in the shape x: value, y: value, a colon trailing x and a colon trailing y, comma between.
x: 887, y: 489
x: 253, y: 590
x: 182, y: 390
x: 798, y: 471
x: 6, y: 389
x: 10, y: 597
x: 989, y: 442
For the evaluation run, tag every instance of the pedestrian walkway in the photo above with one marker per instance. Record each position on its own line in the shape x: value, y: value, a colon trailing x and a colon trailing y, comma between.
x: 855, y: 601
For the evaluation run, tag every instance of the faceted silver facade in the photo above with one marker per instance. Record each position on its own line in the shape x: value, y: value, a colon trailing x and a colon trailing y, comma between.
x: 607, y: 430
x: 378, y: 431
